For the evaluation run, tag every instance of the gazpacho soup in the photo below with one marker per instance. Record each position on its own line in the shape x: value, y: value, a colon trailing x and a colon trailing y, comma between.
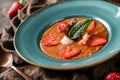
x: 74, y: 38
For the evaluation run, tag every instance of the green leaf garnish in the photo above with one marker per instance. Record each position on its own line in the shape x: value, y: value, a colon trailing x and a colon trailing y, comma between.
x: 22, y: 2
x: 80, y: 27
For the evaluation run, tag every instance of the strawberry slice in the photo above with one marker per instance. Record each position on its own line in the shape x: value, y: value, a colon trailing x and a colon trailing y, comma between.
x: 91, y: 26
x: 113, y: 76
x: 96, y: 41
x: 61, y: 26
x: 50, y: 41
x: 68, y: 52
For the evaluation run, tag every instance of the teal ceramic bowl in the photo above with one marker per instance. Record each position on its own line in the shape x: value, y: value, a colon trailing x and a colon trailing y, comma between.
x: 29, y: 33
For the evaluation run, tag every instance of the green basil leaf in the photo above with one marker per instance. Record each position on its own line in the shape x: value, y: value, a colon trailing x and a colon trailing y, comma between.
x: 79, y: 32
x: 77, y: 26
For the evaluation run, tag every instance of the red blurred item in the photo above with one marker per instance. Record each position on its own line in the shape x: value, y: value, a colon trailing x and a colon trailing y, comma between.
x: 14, y: 9
x: 112, y: 76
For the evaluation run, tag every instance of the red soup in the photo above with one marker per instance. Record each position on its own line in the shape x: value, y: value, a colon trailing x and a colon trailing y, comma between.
x: 74, y: 38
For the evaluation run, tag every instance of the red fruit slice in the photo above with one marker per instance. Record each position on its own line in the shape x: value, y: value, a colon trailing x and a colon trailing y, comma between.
x: 91, y: 26
x: 113, y: 76
x: 61, y: 26
x: 67, y: 52
x: 50, y: 41
x: 96, y: 41
x: 14, y: 9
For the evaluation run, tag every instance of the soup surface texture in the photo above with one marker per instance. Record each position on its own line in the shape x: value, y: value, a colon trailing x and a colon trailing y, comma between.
x: 57, y: 42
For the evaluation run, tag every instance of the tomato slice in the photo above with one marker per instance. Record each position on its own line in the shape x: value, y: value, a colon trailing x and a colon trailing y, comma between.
x: 61, y: 26
x: 96, y: 41
x: 50, y: 41
x: 68, y: 52
x: 91, y: 26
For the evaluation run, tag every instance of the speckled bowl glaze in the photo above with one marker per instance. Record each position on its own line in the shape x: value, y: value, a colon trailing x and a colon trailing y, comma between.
x: 28, y: 35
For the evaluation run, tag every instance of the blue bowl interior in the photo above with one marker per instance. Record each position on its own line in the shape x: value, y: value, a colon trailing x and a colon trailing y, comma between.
x: 29, y: 33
